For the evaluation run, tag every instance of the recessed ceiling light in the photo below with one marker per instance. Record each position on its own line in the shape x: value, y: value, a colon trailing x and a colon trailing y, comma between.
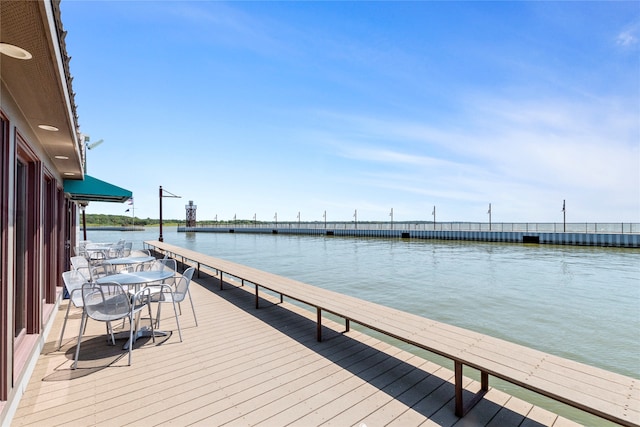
x: 62, y: 157
x: 69, y: 173
x: 49, y: 128
x: 14, y: 51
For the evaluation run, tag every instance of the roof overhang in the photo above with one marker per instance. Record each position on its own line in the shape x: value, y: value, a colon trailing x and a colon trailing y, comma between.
x: 94, y: 190
x: 41, y: 86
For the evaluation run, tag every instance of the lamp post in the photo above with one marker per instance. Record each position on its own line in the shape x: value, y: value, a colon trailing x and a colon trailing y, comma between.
x: 434, y: 217
x: 564, y: 216
x: 489, y: 212
x: 83, y: 206
x: 161, y: 194
x: 391, y: 215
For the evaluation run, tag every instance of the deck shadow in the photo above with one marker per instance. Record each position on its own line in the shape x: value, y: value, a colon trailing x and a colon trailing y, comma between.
x: 96, y: 353
x: 430, y: 394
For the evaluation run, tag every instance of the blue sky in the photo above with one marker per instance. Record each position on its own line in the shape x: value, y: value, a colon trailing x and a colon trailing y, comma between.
x: 258, y: 108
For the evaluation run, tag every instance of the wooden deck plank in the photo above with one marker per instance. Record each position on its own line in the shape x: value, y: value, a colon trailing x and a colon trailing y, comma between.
x: 241, y: 366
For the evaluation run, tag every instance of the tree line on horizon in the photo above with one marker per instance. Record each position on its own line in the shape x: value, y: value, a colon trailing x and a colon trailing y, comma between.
x: 104, y: 220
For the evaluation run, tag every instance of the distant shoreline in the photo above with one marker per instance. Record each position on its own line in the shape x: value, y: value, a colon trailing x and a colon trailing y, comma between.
x: 114, y: 228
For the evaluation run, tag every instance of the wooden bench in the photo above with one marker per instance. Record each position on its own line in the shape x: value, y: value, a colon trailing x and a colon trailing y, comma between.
x: 606, y: 394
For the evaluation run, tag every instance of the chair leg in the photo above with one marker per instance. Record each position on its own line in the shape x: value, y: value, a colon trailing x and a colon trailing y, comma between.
x: 153, y: 333
x: 82, y: 325
x: 175, y: 311
x: 110, y: 332
x: 64, y: 325
x: 130, y: 335
x: 158, y: 315
x: 192, y: 308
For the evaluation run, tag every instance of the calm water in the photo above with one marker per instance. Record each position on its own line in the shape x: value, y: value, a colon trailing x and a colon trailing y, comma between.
x: 581, y: 303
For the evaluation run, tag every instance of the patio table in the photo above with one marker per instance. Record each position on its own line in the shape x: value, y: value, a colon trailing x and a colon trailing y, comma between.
x: 138, y: 279
x: 130, y: 260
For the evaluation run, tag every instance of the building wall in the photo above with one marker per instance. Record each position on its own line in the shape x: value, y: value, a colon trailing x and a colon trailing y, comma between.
x: 47, y: 216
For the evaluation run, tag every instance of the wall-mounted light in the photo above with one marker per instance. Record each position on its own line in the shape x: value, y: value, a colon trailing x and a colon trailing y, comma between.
x: 62, y: 157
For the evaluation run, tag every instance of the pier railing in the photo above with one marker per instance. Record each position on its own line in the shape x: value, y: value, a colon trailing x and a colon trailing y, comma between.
x: 526, y: 227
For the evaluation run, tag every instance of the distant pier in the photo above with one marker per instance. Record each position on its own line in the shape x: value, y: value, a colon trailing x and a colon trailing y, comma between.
x: 623, y: 235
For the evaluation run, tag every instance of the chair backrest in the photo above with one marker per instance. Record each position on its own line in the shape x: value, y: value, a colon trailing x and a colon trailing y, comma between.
x: 182, y: 285
x: 140, y: 252
x: 73, y: 281
x: 115, y: 251
x: 106, y: 301
x: 126, y: 251
x: 101, y: 270
x: 164, y: 264
x: 79, y: 262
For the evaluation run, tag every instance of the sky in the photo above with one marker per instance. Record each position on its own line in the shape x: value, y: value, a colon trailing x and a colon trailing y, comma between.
x: 303, y: 110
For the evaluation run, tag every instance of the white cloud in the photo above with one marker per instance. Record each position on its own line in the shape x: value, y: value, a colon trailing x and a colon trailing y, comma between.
x: 629, y: 36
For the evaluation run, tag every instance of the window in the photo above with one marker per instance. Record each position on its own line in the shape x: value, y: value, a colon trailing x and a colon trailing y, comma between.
x: 28, y: 200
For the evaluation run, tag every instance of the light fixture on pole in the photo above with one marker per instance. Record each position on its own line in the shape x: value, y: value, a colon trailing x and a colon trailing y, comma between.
x: 161, y: 194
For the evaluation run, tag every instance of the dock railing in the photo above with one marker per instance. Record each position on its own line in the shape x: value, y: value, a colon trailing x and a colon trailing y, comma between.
x: 526, y: 227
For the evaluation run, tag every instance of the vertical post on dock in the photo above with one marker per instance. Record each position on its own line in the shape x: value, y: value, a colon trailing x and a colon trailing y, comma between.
x: 325, y: 219
x: 160, y: 238
x: 564, y: 216
x: 489, y: 216
x: 160, y: 196
x: 434, y: 217
x: 391, y: 215
x: 355, y: 216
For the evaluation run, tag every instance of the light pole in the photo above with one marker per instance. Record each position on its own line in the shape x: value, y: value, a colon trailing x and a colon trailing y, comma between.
x: 83, y: 206
x: 160, y: 196
x: 489, y: 212
x: 434, y: 217
x: 391, y: 215
x: 564, y: 216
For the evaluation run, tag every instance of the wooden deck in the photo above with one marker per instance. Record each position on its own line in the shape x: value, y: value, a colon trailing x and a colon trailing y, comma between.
x: 243, y: 367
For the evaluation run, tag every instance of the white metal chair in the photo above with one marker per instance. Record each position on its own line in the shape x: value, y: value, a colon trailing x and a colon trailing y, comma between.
x: 173, y: 295
x: 81, y: 264
x: 100, y: 270
x: 79, y: 261
x: 108, y: 302
x: 140, y: 252
x: 126, y: 249
x: 73, y: 281
x: 165, y: 264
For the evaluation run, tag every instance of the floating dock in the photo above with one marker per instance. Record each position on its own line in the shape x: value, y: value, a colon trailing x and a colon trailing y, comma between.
x: 629, y: 239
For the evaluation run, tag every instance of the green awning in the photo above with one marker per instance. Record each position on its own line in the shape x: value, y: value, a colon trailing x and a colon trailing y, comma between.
x: 94, y: 190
